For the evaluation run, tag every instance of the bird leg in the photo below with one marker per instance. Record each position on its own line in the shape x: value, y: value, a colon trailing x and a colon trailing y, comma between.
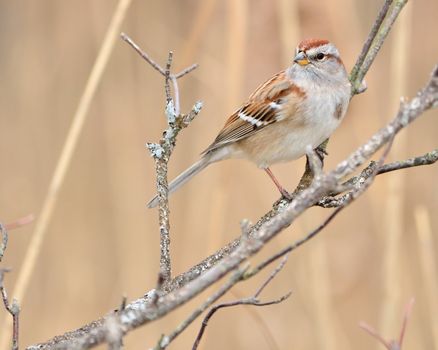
x: 283, y: 192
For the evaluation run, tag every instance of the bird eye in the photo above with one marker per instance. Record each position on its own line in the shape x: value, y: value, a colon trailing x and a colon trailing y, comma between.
x: 320, y: 56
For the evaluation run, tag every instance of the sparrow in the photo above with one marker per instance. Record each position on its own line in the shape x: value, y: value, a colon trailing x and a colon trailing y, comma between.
x: 298, y: 107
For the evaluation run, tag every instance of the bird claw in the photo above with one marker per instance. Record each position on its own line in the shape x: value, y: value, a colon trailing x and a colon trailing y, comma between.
x: 285, y: 195
x: 321, y: 153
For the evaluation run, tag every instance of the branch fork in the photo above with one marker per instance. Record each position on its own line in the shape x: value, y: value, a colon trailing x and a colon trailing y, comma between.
x: 162, y: 151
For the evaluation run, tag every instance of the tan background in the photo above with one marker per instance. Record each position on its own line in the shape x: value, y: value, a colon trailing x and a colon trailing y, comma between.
x: 103, y: 242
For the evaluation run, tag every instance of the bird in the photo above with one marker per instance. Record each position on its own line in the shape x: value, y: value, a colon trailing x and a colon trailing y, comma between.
x: 298, y: 107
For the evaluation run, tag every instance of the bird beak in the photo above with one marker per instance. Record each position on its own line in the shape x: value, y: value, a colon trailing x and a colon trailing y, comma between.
x: 301, y: 59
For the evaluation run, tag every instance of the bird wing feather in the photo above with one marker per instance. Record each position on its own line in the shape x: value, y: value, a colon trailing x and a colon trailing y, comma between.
x: 267, y: 104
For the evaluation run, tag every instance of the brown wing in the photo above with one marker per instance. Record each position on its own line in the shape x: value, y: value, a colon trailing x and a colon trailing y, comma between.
x: 269, y: 103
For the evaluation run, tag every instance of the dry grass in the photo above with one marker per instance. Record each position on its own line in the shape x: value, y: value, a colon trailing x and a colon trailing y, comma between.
x: 395, y: 201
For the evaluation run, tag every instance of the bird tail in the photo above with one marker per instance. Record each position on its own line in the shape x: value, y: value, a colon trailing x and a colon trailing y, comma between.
x: 183, y: 178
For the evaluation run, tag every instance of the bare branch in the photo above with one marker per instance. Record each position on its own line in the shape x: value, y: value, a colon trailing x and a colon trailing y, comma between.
x: 366, y: 47
x: 162, y: 151
x: 334, y: 202
x: 385, y: 20
x: 143, y: 54
x: 4, y: 244
x: 13, y: 308
x: 246, y: 301
x: 167, y: 78
x: 186, y: 71
x: 237, y: 276
x: 426, y: 159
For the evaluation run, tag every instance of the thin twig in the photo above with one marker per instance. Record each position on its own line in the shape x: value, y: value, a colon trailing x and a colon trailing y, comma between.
x: 245, y: 301
x: 176, y: 95
x: 162, y: 151
x: 167, y: 77
x: 334, y: 202
x: 154, y: 64
x: 426, y: 159
x: 371, y: 36
x: 4, y: 244
x: 63, y: 163
x: 235, y: 278
x: 379, y: 37
x: 13, y: 308
x: 271, y: 276
x: 186, y: 71
x: 261, y: 322
x: 249, y: 301
x: 142, y: 53
x: 239, y: 275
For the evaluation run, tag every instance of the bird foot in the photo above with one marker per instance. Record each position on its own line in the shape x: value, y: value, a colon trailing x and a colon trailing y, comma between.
x: 321, y: 153
x: 285, y: 194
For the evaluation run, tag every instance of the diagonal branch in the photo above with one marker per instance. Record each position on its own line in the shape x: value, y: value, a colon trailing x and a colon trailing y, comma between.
x: 332, y: 201
x: 371, y: 36
x: 391, y: 9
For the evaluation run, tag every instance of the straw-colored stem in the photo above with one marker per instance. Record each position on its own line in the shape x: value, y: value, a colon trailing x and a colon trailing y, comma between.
x: 64, y: 160
x: 322, y: 303
x: 395, y: 198
x: 429, y: 269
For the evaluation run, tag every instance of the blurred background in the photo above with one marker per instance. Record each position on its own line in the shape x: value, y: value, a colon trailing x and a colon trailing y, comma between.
x: 102, y: 242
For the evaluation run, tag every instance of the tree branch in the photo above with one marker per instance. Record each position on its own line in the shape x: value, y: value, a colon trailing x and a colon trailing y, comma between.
x: 13, y: 308
x: 426, y: 159
x: 332, y: 201
x: 162, y: 151
x: 253, y: 300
